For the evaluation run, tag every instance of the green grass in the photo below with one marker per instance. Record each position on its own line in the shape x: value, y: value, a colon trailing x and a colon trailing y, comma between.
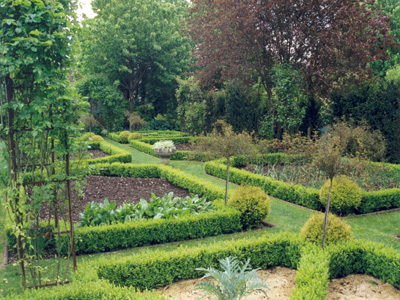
x: 379, y: 228
x: 137, y: 156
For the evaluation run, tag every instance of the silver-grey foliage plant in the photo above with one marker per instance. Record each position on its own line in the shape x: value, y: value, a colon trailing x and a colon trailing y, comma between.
x: 236, y: 280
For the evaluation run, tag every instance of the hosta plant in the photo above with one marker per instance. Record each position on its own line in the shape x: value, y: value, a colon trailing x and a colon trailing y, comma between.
x: 236, y: 280
x: 164, y: 207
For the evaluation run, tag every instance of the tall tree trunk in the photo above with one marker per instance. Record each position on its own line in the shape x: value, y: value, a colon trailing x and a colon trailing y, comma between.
x: 227, y: 180
x: 326, y: 214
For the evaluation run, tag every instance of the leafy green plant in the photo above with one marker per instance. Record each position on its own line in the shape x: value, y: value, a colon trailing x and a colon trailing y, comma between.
x: 165, y: 207
x: 167, y: 145
x: 234, y: 282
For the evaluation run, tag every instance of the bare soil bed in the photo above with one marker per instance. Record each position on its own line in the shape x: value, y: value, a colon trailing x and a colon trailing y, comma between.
x: 97, y: 154
x: 185, y: 147
x: 281, y: 281
x: 119, y: 190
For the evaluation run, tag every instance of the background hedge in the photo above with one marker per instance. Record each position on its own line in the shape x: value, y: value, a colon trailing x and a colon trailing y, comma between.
x: 308, y: 197
x: 116, y: 154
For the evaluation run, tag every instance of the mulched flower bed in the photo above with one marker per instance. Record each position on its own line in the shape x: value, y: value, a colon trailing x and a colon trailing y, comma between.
x: 97, y: 154
x: 119, y: 190
x: 185, y: 147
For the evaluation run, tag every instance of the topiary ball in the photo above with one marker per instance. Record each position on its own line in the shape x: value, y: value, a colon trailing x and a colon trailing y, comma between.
x: 96, y: 138
x: 123, y: 137
x: 253, y: 203
x: 346, y: 195
x: 337, y: 231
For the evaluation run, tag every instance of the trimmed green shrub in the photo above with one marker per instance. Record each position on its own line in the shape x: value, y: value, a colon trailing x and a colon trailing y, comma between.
x: 155, y: 269
x: 116, y: 154
x: 365, y: 257
x: 338, y: 230
x: 93, y: 138
x: 346, y: 195
x: 312, y: 277
x: 100, y: 289
x: 134, y: 136
x: 308, y: 197
x: 123, y: 137
x: 253, y: 204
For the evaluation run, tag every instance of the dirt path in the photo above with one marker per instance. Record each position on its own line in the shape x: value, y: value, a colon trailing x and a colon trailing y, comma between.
x: 281, y: 281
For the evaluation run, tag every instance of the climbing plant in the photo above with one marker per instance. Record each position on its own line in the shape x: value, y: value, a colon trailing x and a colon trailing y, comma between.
x: 39, y: 112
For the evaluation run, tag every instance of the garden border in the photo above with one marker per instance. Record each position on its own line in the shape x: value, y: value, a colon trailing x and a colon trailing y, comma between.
x: 116, y: 154
x: 309, y: 197
x: 148, y: 232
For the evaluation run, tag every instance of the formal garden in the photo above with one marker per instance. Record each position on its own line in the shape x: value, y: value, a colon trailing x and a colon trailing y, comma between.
x: 200, y: 150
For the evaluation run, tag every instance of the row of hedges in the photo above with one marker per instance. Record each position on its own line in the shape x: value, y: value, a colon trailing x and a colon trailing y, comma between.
x: 147, y: 232
x: 147, y: 270
x: 147, y: 148
x: 152, y: 137
x: 308, y: 197
x: 315, y: 265
x: 100, y: 289
x: 116, y: 154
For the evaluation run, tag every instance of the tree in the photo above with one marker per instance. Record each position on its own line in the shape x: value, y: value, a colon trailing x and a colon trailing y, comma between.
x: 134, y: 120
x: 36, y: 43
x: 225, y: 143
x: 106, y: 100
x: 328, y: 160
x: 139, y: 45
x: 90, y: 121
x: 331, y: 42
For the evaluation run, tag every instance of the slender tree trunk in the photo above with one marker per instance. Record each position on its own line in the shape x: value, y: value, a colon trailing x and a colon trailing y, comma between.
x: 227, y: 180
x: 326, y: 214
x: 13, y: 172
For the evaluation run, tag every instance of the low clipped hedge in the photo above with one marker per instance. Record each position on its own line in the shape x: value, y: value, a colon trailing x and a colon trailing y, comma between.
x: 116, y: 154
x: 308, y: 197
x: 156, y: 269
x: 178, y: 155
x: 315, y: 266
x: 148, y: 232
x: 95, y: 290
x: 312, y: 276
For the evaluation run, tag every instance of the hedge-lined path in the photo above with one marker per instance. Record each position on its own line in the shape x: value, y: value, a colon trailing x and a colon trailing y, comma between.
x: 290, y: 217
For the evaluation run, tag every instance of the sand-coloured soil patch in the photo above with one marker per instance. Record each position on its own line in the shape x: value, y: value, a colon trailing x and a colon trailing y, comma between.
x: 281, y: 281
x: 97, y: 154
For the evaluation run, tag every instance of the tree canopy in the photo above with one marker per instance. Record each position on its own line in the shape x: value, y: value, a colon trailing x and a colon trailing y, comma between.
x: 331, y: 42
x: 138, y: 45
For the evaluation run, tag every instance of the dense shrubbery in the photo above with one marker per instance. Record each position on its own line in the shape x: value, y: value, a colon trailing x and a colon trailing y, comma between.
x: 253, y: 203
x: 123, y: 137
x: 166, y: 207
x: 134, y: 136
x: 91, y: 137
x: 338, y: 230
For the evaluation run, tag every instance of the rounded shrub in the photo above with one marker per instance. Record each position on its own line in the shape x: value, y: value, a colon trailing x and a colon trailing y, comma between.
x: 346, y: 195
x: 134, y: 136
x: 253, y: 203
x: 96, y: 138
x: 123, y: 137
x: 338, y: 230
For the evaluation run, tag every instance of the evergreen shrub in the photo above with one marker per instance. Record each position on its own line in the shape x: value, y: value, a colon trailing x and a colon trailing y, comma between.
x: 253, y: 204
x: 338, y: 230
x: 346, y: 195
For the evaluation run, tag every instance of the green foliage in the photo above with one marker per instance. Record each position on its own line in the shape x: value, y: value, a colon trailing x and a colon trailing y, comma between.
x: 166, y: 207
x: 144, y: 62
x: 288, y: 106
x: 92, y: 138
x: 156, y: 269
x: 360, y: 140
x: 116, y: 154
x: 95, y: 290
x: 236, y: 280
x: 106, y: 101
x: 123, y: 137
x: 346, y: 195
x: 134, y: 136
x: 365, y: 257
x: 312, y: 275
x: 253, y: 203
x: 369, y: 102
x: 337, y: 231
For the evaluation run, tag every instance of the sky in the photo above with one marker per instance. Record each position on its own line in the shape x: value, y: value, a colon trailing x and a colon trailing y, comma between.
x: 85, y: 8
